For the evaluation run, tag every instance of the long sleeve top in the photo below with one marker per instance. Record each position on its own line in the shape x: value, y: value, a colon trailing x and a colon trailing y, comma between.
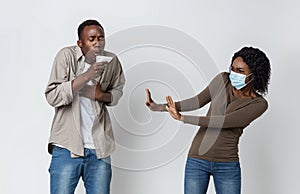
x: 218, y: 137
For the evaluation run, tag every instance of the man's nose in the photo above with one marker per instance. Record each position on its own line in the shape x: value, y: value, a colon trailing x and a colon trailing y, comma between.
x: 97, y: 42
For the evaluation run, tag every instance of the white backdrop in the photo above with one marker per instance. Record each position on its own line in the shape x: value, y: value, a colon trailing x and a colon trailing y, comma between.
x: 150, y: 159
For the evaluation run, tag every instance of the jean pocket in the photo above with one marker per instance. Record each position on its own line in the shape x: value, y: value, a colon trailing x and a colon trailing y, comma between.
x: 106, y: 160
x: 60, y: 152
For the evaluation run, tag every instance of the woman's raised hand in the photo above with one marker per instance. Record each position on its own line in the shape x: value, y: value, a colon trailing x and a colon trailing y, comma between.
x: 171, y: 108
x: 151, y: 104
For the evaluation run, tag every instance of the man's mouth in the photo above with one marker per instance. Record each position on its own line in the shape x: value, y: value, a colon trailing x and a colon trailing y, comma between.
x: 98, y: 49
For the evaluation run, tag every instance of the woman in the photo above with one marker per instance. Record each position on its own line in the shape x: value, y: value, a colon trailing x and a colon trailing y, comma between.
x: 235, y: 101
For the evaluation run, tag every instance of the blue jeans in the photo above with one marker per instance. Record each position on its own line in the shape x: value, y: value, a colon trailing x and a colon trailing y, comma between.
x: 65, y: 172
x: 226, y: 176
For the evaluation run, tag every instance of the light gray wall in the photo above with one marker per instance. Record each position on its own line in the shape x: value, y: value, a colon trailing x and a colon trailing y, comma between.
x: 196, y: 40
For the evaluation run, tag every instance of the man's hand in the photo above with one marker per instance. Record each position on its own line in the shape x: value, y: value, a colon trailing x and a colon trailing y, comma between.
x: 151, y: 104
x: 171, y: 108
x: 93, y: 92
x: 95, y: 70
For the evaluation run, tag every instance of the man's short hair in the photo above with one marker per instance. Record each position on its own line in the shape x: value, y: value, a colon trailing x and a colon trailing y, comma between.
x: 87, y: 23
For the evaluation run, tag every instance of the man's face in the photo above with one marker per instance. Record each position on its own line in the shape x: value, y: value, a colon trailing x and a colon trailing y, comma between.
x: 92, y: 41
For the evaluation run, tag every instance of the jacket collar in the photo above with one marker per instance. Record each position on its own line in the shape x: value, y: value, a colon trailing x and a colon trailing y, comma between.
x: 79, y: 53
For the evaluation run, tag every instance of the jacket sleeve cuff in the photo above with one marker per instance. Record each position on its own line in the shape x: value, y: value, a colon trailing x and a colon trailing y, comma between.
x: 191, y: 119
x: 115, y: 97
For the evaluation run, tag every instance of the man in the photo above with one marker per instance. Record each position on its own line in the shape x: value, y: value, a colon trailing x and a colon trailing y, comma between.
x: 80, y: 88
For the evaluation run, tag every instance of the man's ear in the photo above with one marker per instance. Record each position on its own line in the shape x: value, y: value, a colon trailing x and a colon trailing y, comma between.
x: 79, y: 43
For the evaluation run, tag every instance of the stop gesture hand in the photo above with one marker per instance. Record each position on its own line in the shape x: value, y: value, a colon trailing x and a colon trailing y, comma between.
x: 171, y: 108
x: 151, y: 104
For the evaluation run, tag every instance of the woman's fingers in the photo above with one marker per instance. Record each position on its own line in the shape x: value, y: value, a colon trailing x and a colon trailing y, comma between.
x: 170, y: 101
x: 173, y: 112
x: 149, y: 100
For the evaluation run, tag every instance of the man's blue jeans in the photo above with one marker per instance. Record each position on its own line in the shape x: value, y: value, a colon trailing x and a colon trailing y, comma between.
x: 65, y: 172
x: 226, y: 176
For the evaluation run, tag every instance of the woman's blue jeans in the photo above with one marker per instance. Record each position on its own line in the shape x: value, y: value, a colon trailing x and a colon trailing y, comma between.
x: 226, y: 176
x: 65, y: 172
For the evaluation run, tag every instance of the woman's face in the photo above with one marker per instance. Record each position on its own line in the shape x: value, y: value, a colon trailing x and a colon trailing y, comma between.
x: 239, y: 66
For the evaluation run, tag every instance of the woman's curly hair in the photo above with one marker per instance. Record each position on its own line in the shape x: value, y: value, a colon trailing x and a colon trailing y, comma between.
x: 259, y: 66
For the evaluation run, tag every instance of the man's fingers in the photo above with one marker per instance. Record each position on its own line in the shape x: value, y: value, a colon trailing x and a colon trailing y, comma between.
x: 95, y: 82
x: 101, y: 65
x: 98, y: 66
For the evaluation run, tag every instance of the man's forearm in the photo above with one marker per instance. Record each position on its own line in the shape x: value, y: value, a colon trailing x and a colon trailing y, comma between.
x: 79, y: 83
x: 104, y: 97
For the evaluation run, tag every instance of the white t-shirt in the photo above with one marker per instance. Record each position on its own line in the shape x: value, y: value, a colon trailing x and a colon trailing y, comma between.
x: 87, y: 117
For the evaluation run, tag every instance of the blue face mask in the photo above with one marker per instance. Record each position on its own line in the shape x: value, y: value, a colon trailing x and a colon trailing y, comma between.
x: 238, y: 80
